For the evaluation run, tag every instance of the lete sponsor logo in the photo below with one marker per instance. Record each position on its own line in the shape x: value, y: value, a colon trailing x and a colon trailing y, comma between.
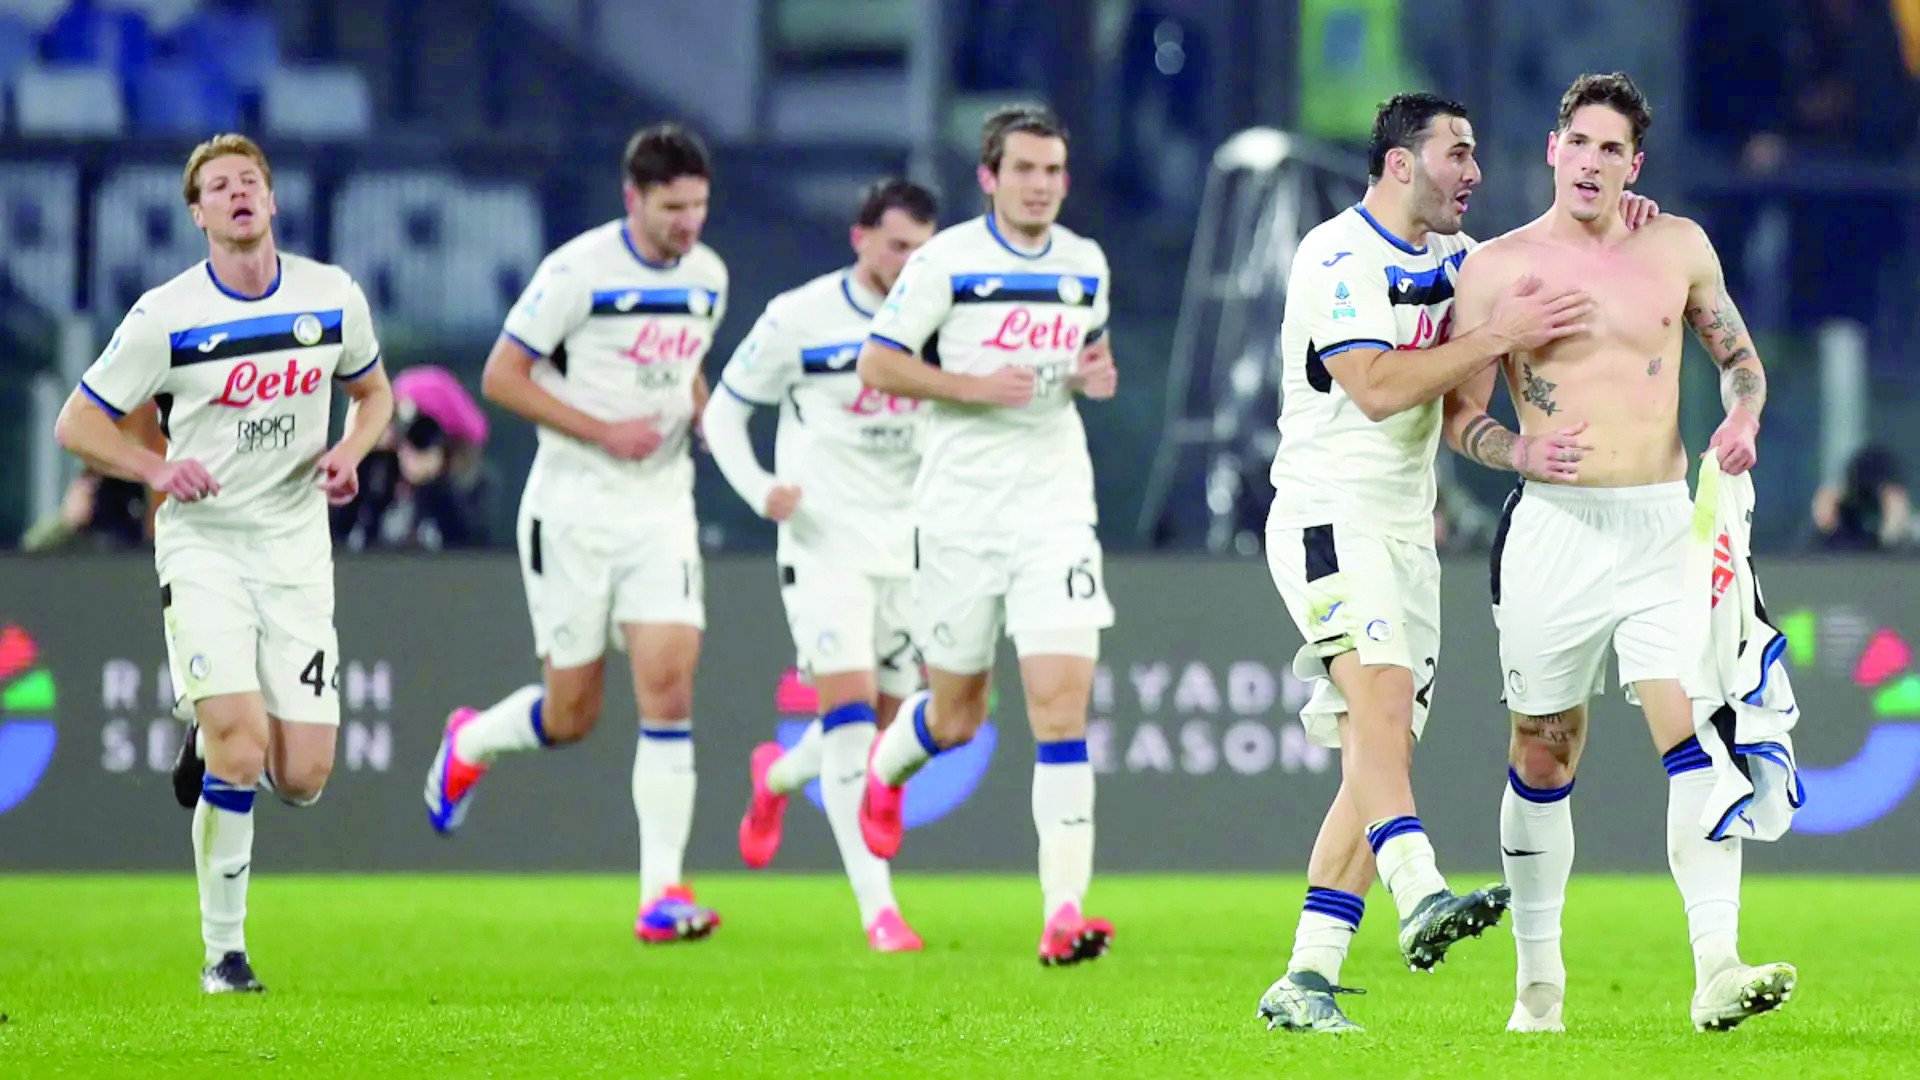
x: 937, y: 790
x: 246, y: 384
x: 27, y: 734
x: 657, y: 343
x: 1020, y: 331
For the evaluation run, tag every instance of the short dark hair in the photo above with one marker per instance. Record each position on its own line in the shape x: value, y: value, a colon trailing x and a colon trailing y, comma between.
x: 1402, y: 122
x: 1031, y: 119
x: 894, y: 193
x: 1617, y: 92
x: 664, y: 153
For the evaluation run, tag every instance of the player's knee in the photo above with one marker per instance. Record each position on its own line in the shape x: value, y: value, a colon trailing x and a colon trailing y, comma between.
x: 236, y: 755
x: 568, y: 719
x: 956, y: 720
x: 1545, y: 748
x: 1379, y: 696
x: 1055, y: 727
x: 666, y: 699
x: 304, y: 783
x: 1539, y: 766
x: 1385, y: 716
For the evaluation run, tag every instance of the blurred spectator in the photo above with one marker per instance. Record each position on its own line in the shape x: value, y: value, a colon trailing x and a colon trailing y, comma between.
x: 99, y: 513
x: 1161, y: 155
x: 425, y: 485
x: 104, y: 513
x: 1813, y: 82
x: 1869, y: 510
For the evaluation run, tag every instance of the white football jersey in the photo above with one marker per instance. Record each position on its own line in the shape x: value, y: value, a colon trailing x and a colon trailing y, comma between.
x: 971, y: 303
x: 1354, y: 285
x: 245, y: 387
x: 853, y: 450
x: 620, y: 339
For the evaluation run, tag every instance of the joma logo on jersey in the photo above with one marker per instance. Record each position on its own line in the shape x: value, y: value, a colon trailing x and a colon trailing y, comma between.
x: 1020, y: 331
x: 266, y: 433
x: 655, y: 344
x: 246, y: 384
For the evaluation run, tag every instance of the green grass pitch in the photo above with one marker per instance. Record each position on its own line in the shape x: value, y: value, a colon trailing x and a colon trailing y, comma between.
x: 540, y: 975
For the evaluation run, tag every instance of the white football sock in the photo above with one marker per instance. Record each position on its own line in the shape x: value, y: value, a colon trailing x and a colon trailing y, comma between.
x: 222, y: 861
x: 510, y: 726
x: 907, y: 744
x: 1328, y: 920
x: 1536, y: 854
x: 847, y: 735
x: 1063, y: 816
x: 1405, y: 859
x: 799, y: 765
x: 1707, y: 871
x: 663, y: 790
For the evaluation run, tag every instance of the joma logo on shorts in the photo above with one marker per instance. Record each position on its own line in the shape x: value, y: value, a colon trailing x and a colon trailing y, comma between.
x: 266, y: 433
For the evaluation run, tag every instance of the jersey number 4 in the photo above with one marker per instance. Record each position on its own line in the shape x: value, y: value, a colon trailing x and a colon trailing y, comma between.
x: 315, y: 674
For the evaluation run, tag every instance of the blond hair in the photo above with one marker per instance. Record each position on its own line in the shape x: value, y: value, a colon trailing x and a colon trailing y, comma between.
x: 223, y: 145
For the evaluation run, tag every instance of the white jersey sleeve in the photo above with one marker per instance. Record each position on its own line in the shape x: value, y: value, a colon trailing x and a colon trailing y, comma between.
x: 1345, y: 305
x: 556, y: 303
x: 360, y: 348
x: 130, y: 370
x: 920, y: 301
x: 766, y: 363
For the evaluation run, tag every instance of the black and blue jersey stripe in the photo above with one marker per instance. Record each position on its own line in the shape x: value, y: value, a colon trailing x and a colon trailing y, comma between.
x: 249, y: 337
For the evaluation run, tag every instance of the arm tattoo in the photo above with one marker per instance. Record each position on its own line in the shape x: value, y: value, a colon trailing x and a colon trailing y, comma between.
x: 1488, y: 442
x: 1538, y: 391
x: 1745, y: 387
x: 1724, y: 333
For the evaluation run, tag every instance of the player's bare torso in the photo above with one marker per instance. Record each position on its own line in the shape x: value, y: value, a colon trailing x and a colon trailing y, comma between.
x: 1622, y: 376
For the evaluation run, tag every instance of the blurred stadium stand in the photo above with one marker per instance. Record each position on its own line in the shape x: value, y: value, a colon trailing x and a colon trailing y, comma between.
x: 438, y: 150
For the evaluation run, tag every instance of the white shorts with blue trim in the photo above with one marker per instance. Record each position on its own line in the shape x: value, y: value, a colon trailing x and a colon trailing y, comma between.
x: 584, y: 583
x: 1353, y: 590
x: 229, y: 632
x: 846, y: 620
x: 1046, y: 586
x: 1579, y: 570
